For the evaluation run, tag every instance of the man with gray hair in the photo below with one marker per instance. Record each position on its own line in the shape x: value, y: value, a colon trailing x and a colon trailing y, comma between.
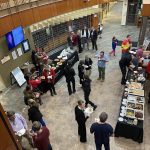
x: 102, y: 131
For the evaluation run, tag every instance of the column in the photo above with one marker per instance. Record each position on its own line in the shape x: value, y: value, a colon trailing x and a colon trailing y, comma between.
x: 142, y: 31
x: 124, y: 12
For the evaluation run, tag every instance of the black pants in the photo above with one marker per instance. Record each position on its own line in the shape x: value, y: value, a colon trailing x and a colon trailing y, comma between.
x: 80, y: 47
x: 82, y: 132
x: 86, y: 97
x: 123, y: 71
x: 94, y: 44
x: 52, y: 88
x: 71, y: 89
x: 81, y: 77
x: 99, y: 146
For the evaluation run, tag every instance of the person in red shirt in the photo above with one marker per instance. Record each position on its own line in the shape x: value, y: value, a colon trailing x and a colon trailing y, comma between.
x: 49, y: 74
x: 34, y: 82
x: 41, y: 136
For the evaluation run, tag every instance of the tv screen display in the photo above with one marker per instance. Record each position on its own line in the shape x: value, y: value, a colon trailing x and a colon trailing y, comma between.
x: 10, y: 40
x: 18, y: 35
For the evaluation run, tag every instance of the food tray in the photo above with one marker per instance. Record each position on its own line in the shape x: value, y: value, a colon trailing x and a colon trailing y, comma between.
x: 139, y: 115
x: 135, y: 85
x: 137, y: 99
x: 136, y: 92
x: 130, y: 113
x: 131, y: 105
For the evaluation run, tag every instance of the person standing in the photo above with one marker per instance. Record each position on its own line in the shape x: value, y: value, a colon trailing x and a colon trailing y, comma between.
x: 93, y: 36
x: 87, y: 91
x: 49, y: 75
x: 41, y: 137
x: 100, y: 29
x: 69, y: 74
x: 114, y: 44
x: 81, y: 71
x: 79, y: 41
x: 34, y: 113
x: 85, y: 34
x: 81, y: 120
x: 88, y: 65
x: 102, y: 59
x: 139, y: 52
x: 102, y: 131
x: 124, y: 63
x: 17, y: 121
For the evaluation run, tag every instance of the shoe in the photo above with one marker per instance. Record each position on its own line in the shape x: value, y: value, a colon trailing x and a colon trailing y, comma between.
x: 55, y: 93
x: 70, y: 93
x: 74, y: 91
x: 94, y: 108
x: 52, y: 95
x: 102, y: 80
x: 98, y: 78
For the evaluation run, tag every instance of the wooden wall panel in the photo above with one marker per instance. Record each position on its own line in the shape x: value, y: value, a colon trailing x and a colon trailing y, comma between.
x: 44, y: 12
x: 26, y: 17
x: 8, y: 139
x: 36, y: 14
x: 16, y: 20
x: 6, y: 25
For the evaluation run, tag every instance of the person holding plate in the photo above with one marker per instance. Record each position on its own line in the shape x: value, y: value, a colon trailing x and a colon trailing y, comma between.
x: 81, y: 120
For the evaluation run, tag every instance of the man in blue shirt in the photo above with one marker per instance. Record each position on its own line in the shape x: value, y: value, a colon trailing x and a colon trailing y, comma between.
x: 102, y: 59
x: 102, y: 131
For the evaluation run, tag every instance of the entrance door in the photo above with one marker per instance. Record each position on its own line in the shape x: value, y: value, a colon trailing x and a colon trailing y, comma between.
x: 132, y: 11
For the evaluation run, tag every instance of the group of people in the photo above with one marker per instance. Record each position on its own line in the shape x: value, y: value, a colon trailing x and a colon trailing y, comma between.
x: 84, y: 36
x: 102, y: 130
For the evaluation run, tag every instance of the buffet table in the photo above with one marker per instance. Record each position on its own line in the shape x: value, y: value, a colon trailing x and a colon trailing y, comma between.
x: 73, y: 58
x: 132, y: 107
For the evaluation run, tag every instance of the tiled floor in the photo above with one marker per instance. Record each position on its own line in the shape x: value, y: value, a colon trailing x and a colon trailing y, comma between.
x: 58, y: 111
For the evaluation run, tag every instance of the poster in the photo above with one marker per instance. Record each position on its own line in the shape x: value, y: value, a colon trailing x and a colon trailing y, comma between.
x: 19, y: 51
x: 14, y: 55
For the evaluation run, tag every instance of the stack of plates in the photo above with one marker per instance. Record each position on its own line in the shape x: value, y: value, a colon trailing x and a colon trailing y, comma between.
x: 120, y: 119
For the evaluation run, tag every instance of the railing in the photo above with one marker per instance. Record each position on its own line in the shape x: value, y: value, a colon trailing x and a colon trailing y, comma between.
x: 7, y: 6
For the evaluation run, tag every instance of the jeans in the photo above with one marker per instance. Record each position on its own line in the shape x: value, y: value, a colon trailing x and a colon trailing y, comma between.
x: 42, y: 122
x: 49, y: 147
x: 101, y: 73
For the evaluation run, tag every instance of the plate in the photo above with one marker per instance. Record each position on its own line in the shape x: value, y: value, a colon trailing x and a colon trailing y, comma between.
x: 124, y: 100
x: 123, y: 107
x: 123, y: 111
x: 21, y: 132
x: 124, y: 103
x: 120, y: 119
x: 126, y: 89
x: 122, y: 114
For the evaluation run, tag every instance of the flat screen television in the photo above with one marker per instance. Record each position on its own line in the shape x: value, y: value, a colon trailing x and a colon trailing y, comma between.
x: 10, y: 40
x: 14, y: 37
x: 18, y: 35
x: 26, y: 46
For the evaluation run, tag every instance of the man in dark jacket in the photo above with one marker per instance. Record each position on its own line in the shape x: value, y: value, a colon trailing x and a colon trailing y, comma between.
x: 81, y: 119
x: 124, y: 63
x: 69, y: 74
x: 93, y: 36
x: 102, y: 131
x: 87, y: 90
x: 88, y: 65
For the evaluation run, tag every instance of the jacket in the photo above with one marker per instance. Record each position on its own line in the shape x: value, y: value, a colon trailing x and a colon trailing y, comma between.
x: 69, y: 73
x: 87, y: 85
x: 93, y: 35
x: 34, y: 114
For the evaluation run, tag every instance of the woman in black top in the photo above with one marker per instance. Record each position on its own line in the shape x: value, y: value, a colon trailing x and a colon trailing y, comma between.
x: 34, y: 112
x: 81, y: 71
x: 79, y: 42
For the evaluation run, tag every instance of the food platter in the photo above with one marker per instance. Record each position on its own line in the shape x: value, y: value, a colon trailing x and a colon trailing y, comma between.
x: 131, y: 105
x: 130, y: 113
x: 139, y: 115
x: 136, y: 92
x: 135, y: 85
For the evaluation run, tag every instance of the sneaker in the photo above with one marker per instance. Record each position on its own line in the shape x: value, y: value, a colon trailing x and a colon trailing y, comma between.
x: 94, y: 108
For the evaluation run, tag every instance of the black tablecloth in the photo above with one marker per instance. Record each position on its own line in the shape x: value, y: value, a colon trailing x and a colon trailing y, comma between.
x: 123, y: 129
x: 73, y: 58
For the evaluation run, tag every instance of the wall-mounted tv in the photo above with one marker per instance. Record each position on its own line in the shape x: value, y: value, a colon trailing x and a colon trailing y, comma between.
x: 10, y: 40
x: 15, y: 37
